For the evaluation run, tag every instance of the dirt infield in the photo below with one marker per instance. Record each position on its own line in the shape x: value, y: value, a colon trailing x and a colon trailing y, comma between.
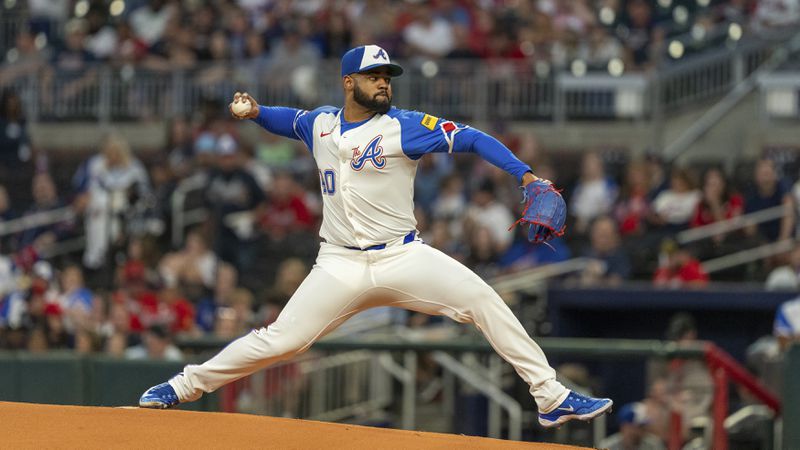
x: 28, y: 426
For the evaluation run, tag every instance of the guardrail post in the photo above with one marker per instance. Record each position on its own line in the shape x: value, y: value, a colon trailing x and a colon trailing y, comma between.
x: 33, y: 105
x: 409, y: 389
x: 738, y: 68
x: 656, y: 114
x: 178, y: 95
x: 104, y: 98
x: 559, y: 100
x: 482, y: 97
x: 495, y: 418
x: 720, y: 410
x: 791, y: 398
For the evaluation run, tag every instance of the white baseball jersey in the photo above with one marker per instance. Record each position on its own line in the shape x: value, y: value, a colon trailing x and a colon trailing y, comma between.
x: 367, y: 168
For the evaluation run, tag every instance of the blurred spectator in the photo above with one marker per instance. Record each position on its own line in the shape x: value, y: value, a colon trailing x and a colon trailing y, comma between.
x: 156, y: 345
x: 291, y: 273
x: 718, y: 201
x: 633, y: 205
x: 16, y: 153
x: 150, y: 20
x: 6, y: 214
x: 101, y: 41
x: 428, y: 35
x: 195, y: 264
x: 75, y: 300
x: 633, y: 421
x: 336, y: 38
x: 180, y: 147
x: 600, y: 49
x: 45, y: 199
x: 440, y: 237
x: 786, y: 277
x: 235, y: 201
x: 524, y: 255
x: 610, y: 264
x: 235, y: 320
x: 656, y: 176
x: 70, y: 71
x: 637, y: 31
x: 426, y: 183
x: 111, y: 186
x: 487, y: 213
x: 116, y: 345
x: 451, y: 203
x: 285, y: 211
x: 206, y: 308
x: 482, y: 251
x: 674, y: 207
x: 129, y: 48
x: 769, y: 192
x: 787, y: 323
x: 292, y: 58
x: 46, y: 15
x: 139, y: 303
x: 678, y: 268
x: 689, y: 383
x: 594, y: 194
x: 23, y: 60
x: 658, y: 405
x: 179, y: 314
x: 772, y: 14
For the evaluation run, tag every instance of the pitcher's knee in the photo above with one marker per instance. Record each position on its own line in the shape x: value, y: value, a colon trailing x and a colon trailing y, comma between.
x: 280, y: 342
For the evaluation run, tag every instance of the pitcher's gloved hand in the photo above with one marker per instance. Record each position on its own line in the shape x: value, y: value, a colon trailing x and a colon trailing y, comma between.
x: 545, y: 211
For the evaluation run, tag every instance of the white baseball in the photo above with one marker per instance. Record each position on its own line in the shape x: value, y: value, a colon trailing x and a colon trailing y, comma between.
x: 241, y: 108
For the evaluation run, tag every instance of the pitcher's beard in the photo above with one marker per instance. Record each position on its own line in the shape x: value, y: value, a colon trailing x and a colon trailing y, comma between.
x: 378, y: 103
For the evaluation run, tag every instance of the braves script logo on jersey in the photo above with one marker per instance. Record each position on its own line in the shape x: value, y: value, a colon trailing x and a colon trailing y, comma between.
x: 373, y: 153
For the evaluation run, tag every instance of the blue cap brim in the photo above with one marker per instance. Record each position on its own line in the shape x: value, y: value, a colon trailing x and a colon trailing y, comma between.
x: 394, y: 69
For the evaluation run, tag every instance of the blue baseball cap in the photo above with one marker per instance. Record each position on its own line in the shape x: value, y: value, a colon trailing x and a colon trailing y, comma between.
x: 633, y: 413
x: 366, y: 57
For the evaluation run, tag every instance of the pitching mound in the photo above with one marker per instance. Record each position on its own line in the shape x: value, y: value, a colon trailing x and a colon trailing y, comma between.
x: 29, y: 426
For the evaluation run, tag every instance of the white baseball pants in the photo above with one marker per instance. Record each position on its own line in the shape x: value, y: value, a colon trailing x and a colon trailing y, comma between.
x: 344, y: 282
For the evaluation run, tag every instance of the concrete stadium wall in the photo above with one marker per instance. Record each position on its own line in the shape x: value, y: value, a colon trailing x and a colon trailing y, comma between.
x: 69, y: 379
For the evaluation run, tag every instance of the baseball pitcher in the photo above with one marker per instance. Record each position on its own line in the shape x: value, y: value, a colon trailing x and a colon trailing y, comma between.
x: 367, y: 154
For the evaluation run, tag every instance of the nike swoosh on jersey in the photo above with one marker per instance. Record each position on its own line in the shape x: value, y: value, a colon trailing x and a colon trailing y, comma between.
x: 322, y: 135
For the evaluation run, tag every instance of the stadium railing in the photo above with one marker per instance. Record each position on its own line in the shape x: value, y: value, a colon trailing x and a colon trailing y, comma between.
x: 747, y: 72
x: 723, y: 368
x: 461, y: 90
x: 745, y: 256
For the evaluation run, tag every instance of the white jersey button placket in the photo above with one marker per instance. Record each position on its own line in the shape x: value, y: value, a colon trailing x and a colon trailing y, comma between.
x: 346, y: 173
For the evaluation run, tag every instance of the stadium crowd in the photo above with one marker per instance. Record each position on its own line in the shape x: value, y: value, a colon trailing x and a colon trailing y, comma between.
x: 277, y: 37
x: 237, y: 267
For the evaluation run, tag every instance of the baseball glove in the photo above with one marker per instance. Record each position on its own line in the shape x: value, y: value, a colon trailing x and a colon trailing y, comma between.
x: 545, y: 211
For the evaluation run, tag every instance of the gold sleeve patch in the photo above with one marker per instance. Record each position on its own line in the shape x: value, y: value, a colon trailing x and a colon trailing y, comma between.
x: 429, y: 121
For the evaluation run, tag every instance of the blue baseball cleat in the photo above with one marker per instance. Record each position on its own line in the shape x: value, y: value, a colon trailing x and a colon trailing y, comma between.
x: 160, y: 396
x: 576, y: 406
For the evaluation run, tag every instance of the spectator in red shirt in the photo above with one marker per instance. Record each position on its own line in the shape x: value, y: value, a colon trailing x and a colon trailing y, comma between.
x: 718, y: 202
x: 179, y: 312
x: 633, y: 205
x: 136, y: 297
x: 678, y: 268
x: 286, y: 210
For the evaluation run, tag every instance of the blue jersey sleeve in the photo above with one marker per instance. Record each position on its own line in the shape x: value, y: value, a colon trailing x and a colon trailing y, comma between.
x: 422, y: 133
x: 291, y: 122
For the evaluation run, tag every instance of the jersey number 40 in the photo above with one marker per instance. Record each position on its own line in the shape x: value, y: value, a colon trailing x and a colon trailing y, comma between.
x: 327, y: 180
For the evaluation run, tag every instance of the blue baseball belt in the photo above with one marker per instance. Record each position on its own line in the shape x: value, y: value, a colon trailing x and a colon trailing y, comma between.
x: 408, y: 238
